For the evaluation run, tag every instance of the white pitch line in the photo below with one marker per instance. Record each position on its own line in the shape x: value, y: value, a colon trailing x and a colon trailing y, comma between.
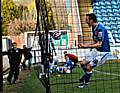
x: 106, y: 73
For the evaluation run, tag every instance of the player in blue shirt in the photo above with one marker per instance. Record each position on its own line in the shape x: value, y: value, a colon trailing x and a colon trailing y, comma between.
x: 99, y: 50
x: 68, y: 66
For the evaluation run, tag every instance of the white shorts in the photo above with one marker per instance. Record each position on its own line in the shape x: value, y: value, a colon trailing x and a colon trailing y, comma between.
x: 97, y: 55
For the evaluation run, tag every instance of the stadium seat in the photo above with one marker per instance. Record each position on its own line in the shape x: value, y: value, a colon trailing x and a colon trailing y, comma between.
x: 109, y: 11
x: 111, y: 39
x: 109, y: 7
x: 118, y: 18
x: 103, y: 11
x: 107, y: 3
x: 111, y: 14
x: 115, y: 6
x: 105, y: 19
x: 107, y: 27
x: 114, y: 27
x: 116, y: 11
x: 117, y: 40
x: 99, y: 19
x: 112, y: 18
x: 101, y: 3
x: 96, y: 8
x: 113, y: 2
x: 102, y: 7
x: 113, y: 23
x: 117, y: 14
x: 119, y: 31
x: 96, y: 4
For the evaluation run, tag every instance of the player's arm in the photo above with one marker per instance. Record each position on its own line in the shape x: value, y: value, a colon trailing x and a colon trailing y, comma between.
x: 95, y: 45
x: 4, y: 53
x: 54, y: 48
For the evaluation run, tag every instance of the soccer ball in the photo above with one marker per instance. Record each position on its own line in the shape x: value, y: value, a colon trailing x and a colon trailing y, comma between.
x: 68, y: 71
x: 56, y: 35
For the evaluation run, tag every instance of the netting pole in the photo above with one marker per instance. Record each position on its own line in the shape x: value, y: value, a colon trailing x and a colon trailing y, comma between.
x: 46, y: 27
x: 1, y: 64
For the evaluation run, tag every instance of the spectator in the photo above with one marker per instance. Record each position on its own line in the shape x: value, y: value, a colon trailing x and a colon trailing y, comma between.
x: 14, y: 55
x: 27, y: 57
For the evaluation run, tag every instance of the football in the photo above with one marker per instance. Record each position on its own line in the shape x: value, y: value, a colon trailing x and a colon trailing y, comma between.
x: 56, y: 35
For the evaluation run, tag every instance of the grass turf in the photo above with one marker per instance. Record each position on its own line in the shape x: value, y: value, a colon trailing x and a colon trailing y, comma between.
x: 105, y: 79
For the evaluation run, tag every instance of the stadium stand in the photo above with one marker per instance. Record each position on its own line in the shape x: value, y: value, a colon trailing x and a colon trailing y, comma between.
x: 108, y: 13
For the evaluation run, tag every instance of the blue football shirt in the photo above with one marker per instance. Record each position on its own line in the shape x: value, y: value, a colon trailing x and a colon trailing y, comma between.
x: 100, y: 34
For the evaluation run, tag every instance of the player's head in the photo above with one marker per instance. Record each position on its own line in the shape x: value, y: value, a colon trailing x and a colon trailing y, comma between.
x: 65, y: 52
x: 90, y: 19
x: 66, y: 57
x: 14, y: 44
x: 24, y: 46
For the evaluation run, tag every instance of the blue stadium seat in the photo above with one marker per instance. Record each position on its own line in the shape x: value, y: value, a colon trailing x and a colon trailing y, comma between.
x: 118, y: 18
x: 107, y: 24
x: 103, y: 10
x: 113, y: 23
x: 110, y: 14
x: 115, y: 6
x: 104, y: 15
x: 117, y: 40
x: 113, y: 2
x: 97, y: 11
x: 105, y: 19
x: 107, y: 27
x: 109, y: 10
x: 118, y: 26
x: 115, y: 10
x: 115, y: 35
x: 117, y: 14
x: 99, y: 19
x: 107, y: 3
x: 114, y: 27
x: 103, y: 7
x: 119, y: 31
x: 102, y: 3
x: 96, y: 4
x: 112, y: 18
x: 96, y: 8
x: 114, y: 31
x: 108, y: 6
x: 99, y: 15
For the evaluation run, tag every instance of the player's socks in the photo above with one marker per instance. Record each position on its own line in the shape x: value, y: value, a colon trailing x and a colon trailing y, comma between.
x: 88, y: 76
x: 82, y: 79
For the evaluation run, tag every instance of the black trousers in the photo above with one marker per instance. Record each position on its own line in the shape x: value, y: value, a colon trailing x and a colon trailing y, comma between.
x: 14, y: 70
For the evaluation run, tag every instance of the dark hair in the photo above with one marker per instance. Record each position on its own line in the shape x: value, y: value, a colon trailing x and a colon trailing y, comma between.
x: 92, y: 16
x: 65, y: 52
x: 24, y: 45
x: 14, y: 43
x: 66, y: 55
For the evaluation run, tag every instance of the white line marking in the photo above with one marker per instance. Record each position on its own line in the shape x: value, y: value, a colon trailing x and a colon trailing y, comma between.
x: 106, y: 73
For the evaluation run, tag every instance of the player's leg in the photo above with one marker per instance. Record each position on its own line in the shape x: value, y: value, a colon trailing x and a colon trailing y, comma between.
x: 86, y: 77
x: 23, y: 64
x: 103, y: 56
